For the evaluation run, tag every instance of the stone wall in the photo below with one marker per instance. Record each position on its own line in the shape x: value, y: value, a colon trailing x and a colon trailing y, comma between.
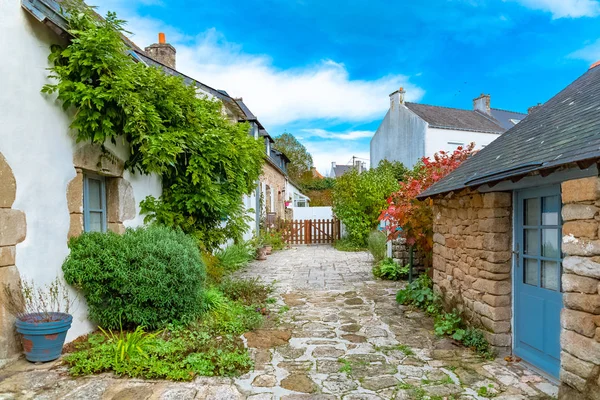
x: 13, y: 229
x: 276, y: 180
x: 472, y: 259
x: 580, y: 317
x: 401, y: 254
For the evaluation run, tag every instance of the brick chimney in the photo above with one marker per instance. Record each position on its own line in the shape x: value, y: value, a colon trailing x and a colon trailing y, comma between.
x: 397, y: 98
x: 482, y: 103
x: 162, y: 51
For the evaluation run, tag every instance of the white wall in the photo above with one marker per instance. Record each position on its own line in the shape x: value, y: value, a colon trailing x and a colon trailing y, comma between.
x: 301, y: 213
x: 399, y: 137
x: 439, y: 139
x: 35, y: 141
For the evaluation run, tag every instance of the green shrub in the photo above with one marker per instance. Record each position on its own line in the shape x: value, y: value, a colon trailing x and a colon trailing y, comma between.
x: 390, y: 270
x: 235, y: 256
x: 246, y: 291
x: 346, y: 244
x: 377, y: 245
x: 146, y: 277
x: 359, y: 198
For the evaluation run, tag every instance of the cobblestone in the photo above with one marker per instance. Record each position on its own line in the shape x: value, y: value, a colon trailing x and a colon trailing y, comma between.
x: 343, y: 337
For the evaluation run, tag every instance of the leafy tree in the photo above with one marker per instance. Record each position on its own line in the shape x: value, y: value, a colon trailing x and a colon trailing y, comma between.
x: 300, y: 159
x: 205, y: 161
x: 411, y: 218
x: 359, y: 198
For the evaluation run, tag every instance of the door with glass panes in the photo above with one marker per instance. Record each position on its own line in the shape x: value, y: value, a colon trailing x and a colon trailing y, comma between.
x: 538, y: 297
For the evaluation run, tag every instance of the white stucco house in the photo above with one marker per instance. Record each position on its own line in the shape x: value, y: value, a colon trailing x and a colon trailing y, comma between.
x: 52, y: 188
x: 411, y: 131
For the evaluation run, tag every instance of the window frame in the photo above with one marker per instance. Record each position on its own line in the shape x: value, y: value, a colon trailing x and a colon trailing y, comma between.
x: 86, y: 206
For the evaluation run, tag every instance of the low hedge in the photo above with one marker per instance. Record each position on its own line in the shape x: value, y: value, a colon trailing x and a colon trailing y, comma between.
x: 149, y: 276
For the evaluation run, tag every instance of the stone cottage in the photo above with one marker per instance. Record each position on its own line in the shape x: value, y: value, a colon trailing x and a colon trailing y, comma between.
x: 516, y: 239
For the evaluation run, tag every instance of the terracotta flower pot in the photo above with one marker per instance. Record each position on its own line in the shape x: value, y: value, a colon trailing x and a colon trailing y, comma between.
x: 269, y: 249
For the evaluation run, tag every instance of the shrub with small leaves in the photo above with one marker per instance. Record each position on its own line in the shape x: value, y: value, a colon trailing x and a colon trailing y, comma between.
x: 147, y: 277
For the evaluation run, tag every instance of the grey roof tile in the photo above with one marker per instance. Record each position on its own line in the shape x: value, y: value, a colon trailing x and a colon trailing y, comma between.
x: 506, y: 118
x: 455, y: 118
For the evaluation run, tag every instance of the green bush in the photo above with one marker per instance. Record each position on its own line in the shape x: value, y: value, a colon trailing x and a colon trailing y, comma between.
x: 147, y: 277
x: 358, y: 199
x: 377, y: 245
x: 235, y: 256
x: 390, y: 270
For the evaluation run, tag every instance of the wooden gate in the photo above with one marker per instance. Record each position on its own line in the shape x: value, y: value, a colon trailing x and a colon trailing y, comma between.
x: 315, y: 231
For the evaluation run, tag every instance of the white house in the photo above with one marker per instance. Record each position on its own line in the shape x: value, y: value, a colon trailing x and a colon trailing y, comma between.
x: 51, y: 188
x: 411, y: 131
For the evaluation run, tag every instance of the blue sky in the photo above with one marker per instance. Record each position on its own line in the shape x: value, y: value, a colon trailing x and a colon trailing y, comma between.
x: 323, y: 70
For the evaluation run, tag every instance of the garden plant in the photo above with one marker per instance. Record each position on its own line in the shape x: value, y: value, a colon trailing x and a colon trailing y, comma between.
x: 175, y: 325
x: 205, y: 161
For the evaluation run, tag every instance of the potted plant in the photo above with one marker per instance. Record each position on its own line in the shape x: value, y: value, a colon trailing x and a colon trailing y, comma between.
x: 43, y: 318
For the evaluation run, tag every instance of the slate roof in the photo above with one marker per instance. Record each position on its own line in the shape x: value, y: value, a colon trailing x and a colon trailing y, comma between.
x: 506, y: 118
x: 456, y: 118
x: 340, y: 170
x: 564, y: 130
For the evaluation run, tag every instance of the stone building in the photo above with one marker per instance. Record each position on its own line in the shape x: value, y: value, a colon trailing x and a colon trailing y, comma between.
x: 516, y: 239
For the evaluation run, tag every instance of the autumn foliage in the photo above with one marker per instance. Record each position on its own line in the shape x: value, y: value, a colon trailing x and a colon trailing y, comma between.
x: 410, y: 218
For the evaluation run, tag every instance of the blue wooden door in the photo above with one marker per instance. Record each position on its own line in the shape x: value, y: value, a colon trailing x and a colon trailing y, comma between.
x: 538, y: 297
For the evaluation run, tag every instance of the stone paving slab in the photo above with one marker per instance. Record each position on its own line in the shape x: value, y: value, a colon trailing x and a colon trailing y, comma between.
x: 343, y: 337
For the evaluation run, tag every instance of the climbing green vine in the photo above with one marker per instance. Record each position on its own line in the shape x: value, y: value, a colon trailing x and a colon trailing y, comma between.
x: 206, y: 162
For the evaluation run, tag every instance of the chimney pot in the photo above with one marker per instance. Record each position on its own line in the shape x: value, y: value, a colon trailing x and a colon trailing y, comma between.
x: 162, y: 38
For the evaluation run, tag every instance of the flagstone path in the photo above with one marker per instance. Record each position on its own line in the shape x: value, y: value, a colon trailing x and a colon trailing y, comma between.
x: 341, y: 336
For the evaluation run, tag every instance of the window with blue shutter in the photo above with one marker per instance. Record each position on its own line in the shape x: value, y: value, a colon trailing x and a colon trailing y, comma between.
x: 94, y: 203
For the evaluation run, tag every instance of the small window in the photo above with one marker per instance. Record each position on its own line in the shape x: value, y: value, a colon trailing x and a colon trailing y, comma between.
x: 456, y: 143
x: 94, y: 203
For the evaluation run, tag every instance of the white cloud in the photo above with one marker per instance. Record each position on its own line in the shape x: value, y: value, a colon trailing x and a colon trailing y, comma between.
x: 564, y: 8
x: 322, y: 133
x: 590, y: 53
x: 279, y: 96
x: 324, y: 90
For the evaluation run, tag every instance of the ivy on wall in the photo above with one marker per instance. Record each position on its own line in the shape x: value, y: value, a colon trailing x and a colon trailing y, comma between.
x: 206, y: 162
